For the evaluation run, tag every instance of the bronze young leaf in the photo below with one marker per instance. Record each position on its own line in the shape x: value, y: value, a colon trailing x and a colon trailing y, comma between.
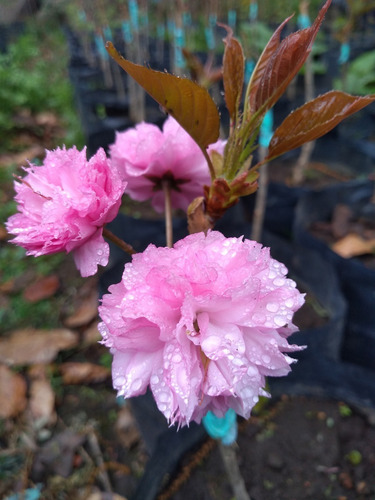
x: 190, y: 105
x: 314, y: 119
x: 279, y: 64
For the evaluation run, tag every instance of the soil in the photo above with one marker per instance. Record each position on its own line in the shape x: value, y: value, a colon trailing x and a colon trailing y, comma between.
x: 300, y: 448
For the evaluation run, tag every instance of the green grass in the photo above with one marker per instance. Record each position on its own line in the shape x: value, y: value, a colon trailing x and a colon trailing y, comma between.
x: 34, y: 76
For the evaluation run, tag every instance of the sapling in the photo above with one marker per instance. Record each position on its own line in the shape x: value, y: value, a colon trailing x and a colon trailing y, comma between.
x: 205, y: 321
x: 307, y: 148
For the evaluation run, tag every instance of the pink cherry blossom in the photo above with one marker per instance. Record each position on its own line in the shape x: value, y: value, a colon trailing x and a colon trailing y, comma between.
x: 63, y: 205
x: 147, y: 155
x: 202, y: 323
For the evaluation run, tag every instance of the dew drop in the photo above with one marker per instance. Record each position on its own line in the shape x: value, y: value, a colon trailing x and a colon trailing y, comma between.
x: 280, y: 320
x: 176, y: 358
x: 119, y: 381
x: 246, y: 392
x: 162, y: 407
x: 136, y: 385
x: 154, y: 379
x: 251, y: 371
x: 272, y: 274
x: 272, y: 307
x: 279, y: 281
x: 163, y: 397
x: 266, y: 359
x: 211, y: 343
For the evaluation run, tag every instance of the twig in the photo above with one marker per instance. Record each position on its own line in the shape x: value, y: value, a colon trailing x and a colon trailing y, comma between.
x: 118, y: 241
x: 98, y: 457
x: 168, y: 212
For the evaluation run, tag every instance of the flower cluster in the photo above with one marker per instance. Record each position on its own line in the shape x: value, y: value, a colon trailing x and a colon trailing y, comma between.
x: 202, y: 323
x: 146, y: 156
x: 63, y: 205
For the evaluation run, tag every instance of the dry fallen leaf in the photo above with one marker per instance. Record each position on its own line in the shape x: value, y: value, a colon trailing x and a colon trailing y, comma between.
x: 353, y: 245
x: 83, y: 373
x: 86, y: 312
x: 30, y: 346
x: 35, y: 150
x: 43, y: 288
x: 91, y: 335
x: 126, y: 427
x: 42, y: 398
x: 12, y: 393
x: 105, y: 496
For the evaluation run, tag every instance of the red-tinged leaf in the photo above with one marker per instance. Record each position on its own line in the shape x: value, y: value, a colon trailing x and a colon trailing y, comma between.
x: 314, y: 119
x: 233, y: 72
x: 259, y: 70
x: 42, y: 288
x: 190, y: 105
x: 280, y: 62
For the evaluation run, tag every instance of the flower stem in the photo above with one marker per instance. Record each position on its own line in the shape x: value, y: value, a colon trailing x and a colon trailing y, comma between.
x: 168, y: 212
x: 261, y: 199
x: 118, y: 241
x: 229, y: 457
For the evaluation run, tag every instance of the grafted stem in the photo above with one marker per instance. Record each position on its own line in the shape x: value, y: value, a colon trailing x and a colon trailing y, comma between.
x: 168, y: 212
x: 229, y: 457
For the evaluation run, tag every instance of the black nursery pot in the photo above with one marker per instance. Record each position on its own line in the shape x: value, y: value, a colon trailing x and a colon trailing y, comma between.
x: 339, y: 359
x: 356, y: 282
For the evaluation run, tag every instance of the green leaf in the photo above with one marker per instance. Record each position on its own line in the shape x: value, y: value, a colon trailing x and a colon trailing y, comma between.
x: 233, y: 73
x: 279, y: 64
x: 314, y: 119
x: 190, y: 105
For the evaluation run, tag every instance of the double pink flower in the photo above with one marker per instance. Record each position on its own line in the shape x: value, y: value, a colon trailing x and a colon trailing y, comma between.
x: 63, y: 205
x: 202, y: 323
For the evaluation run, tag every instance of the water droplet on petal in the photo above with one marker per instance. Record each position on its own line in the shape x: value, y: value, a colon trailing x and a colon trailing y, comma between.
x: 279, y: 281
x: 237, y: 362
x: 266, y: 359
x: 136, y: 385
x: 252, y: 371
x: 280, y: 320
x: 272, y: 307
x: 119, y: 381
x: 163, y: 397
